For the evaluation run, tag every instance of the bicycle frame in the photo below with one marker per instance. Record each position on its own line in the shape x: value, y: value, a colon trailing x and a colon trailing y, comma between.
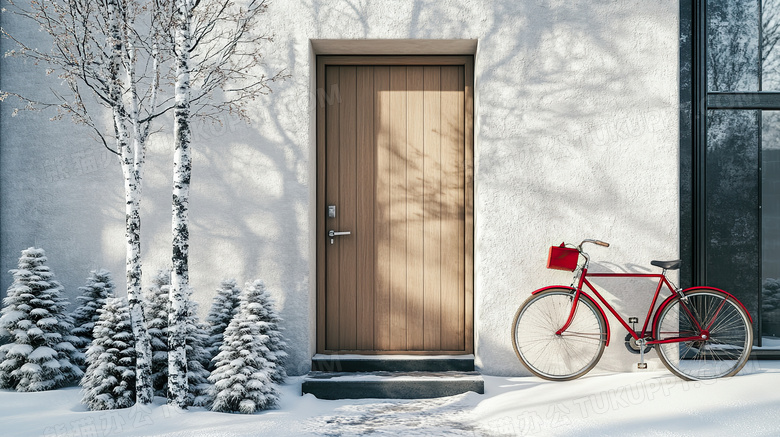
x: 644, y: 333
x: 662, y: 281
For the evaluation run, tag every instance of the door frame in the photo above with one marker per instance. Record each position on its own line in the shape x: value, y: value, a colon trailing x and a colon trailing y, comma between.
x: 322, y: 99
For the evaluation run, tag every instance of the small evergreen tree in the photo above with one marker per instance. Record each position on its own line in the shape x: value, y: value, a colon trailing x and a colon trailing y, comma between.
x: 223, y: 307
x: 99, y: 287
x: 41, y: 355
x: 109, y: 381
x: 156, y: 314
x: 199, y: 393
x: 269, y: 321
x: 244, y: 374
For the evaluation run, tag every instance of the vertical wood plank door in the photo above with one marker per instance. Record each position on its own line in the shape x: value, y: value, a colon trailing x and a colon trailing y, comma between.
x: 395, y: 161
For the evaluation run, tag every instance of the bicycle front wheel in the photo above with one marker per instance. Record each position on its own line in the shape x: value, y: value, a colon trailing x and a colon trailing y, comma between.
x: 558, y: 357
x: 723, y: 325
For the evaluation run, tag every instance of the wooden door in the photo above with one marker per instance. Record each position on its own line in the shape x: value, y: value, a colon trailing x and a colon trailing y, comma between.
x: 394, y: 160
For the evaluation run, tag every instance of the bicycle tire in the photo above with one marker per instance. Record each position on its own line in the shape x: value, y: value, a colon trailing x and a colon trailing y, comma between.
x: 726, y: 350
x: 558, y: 357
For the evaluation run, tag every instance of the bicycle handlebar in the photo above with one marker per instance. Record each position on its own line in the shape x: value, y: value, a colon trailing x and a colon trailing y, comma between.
x: 598, y: 242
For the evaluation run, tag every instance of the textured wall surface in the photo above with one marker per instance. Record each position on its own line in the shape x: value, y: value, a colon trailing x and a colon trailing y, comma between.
x: 576, y: 133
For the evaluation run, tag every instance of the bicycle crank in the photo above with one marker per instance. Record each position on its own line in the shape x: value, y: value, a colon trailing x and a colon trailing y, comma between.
x: 633, y: 346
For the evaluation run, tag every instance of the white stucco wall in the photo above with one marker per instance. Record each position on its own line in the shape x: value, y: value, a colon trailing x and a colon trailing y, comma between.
x: 576, y: 136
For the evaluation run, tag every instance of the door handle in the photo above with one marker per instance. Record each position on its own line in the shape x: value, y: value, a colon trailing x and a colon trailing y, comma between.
x: 332, y: 233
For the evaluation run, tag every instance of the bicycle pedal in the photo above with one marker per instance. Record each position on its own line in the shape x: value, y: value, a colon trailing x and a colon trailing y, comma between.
x: 641, y: 365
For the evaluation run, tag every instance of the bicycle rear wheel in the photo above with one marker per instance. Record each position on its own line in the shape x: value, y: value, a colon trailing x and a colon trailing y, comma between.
x: 724, y: 322
x: 558, y: 357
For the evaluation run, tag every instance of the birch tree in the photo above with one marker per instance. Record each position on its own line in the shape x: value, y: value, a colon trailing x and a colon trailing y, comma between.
x: 216, y: 55
x: 110, y: 56
x: 113, y: 53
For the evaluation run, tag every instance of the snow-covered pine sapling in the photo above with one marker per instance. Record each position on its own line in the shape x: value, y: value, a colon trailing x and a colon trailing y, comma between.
x: 199, y: 392
x: 223, y: 307
x: 156, y: 312
x: 41, y: 355
x: 264, y: 309
x: 243, y: 377
x: 99, y: 287
x: 109, y: 381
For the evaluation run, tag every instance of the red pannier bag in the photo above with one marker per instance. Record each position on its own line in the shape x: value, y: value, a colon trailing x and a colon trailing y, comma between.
x: 563, y: 258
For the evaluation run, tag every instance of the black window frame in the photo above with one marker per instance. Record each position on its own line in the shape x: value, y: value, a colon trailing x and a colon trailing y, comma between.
x: 695, y: 101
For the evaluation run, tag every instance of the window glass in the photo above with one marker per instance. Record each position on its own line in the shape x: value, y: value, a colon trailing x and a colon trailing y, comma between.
x: 770, y: 45
x: 732, y: 196
x: 733, y: 45
x: 770, y: 223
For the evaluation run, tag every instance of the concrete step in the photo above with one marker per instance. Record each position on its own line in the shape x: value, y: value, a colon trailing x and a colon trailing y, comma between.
x: 392, y: 363
x: 391, y: 385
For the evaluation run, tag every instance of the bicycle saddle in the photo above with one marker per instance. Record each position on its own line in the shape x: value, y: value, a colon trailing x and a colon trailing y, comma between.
x: 667, y: 265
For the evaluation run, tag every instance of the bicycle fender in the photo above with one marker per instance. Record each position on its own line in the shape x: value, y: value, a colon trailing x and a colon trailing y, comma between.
x: 586, y: 296
x: 688, y: 290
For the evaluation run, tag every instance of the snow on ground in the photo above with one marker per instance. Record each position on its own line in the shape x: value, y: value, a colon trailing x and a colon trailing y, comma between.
x: 652, y: 403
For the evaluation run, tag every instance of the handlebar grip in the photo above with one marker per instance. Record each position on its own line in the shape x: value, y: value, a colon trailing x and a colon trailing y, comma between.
x: 598, y: 242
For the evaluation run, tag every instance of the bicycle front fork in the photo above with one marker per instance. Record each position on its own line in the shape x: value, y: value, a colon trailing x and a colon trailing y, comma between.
x: 573, y: 310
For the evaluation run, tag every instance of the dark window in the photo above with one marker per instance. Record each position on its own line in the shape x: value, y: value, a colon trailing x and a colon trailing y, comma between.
x: 730, y: 148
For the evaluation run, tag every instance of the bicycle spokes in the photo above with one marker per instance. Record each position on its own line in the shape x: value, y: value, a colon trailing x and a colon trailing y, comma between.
x: 548, y: 353
x: 707, y: 337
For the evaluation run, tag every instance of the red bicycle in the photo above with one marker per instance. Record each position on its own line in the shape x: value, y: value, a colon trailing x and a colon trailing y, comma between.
x: 560, y: 332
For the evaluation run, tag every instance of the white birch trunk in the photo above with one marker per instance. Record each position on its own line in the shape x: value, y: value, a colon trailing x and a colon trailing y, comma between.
x: 177, y: 360
x: 144, y: 394
x: 132, y: 177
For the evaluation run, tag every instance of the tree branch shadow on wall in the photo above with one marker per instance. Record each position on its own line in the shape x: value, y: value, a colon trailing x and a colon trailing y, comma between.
x: 560, y: 133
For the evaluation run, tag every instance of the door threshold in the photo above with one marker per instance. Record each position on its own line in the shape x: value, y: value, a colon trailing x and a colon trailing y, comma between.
x: 393, y: 357
x: 392, y: 363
